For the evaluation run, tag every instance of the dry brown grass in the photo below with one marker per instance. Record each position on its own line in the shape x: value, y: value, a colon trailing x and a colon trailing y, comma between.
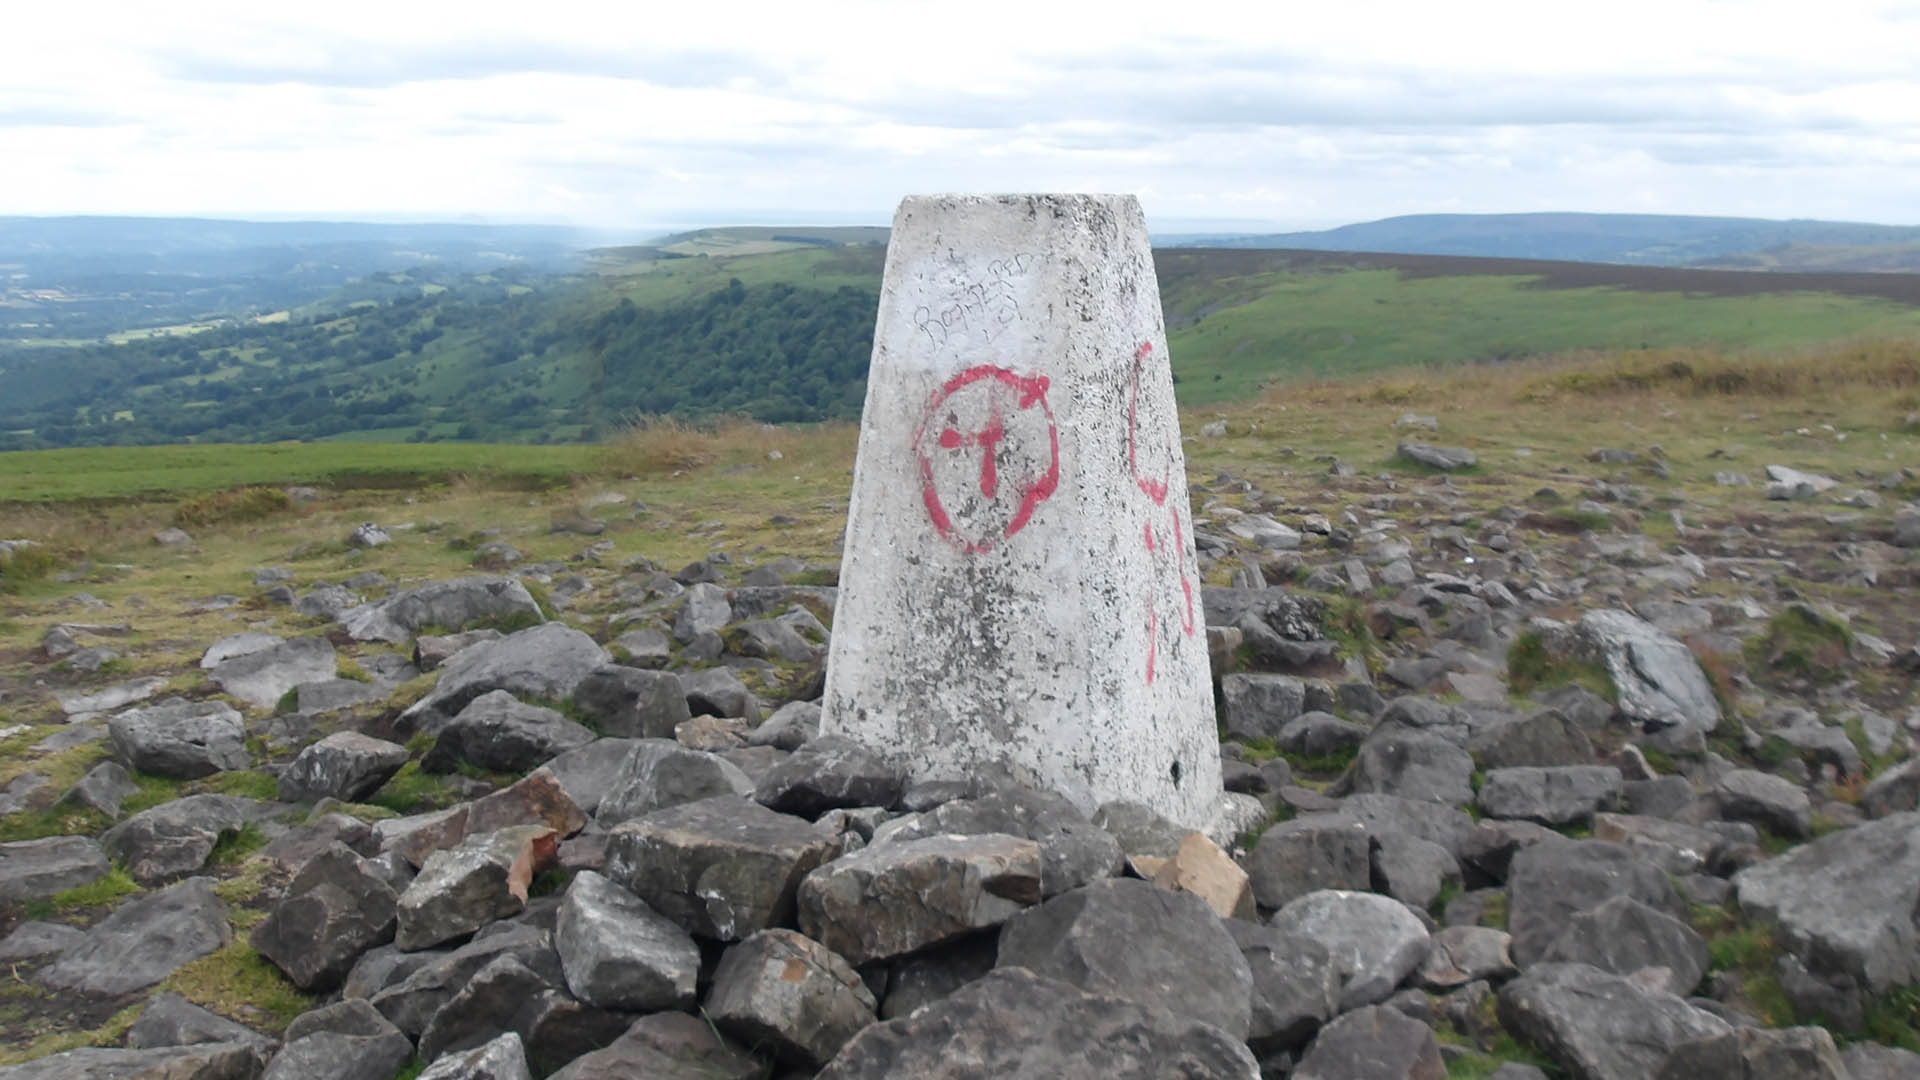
x: 664, y: 445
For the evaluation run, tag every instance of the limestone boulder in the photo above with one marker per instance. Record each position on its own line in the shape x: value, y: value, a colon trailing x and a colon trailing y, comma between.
x: 618, y: 953
x: 171, y: 1020
x: 545, y: 661
x: 719, y: 692
x: 933, y: 973
x: 790, y: 994
x: 1318, y: 735
x: 145, y: 940
x: 453, y: 605
x: 1413, y: 765
x: 1551, y: 881
x: 1376, y: 941
x: 703, y: 609
x: 1871, y: 1061
x: 666, y: 1046
x: 1621, y: 936
x: 504, y: 1058
x: 1258, y: 706
x: 336, y: 908
x: 262, y: 677
x: 891, y: 899
x: 1599, y: 1026
x: 829, y: 772
x: 420, y: 984
x: 1296, y: 985
x: 1373, y: 1043
x: 1014, y: 1022
x: 1804, y: 1053
x: 176, y: 837
x: 631, y: 702
x: 1464, y: 954
x: 1844, y: 903
x: 658, y: 773
x: 208, y: 1061
x: 1307, y: 854
x: 33, y: 869
x: 346, y: 765
x: 1555, y: 796
x: 1659, y: 681
x: 344, y: 1041
x: 103, y: 788
x: 790, y: 726
x: 721, y: 868
x: 181, y: 739
x: 462, y: 889
x: 1073, y: 850
x: 499, y: 733
x: 1444, y: 458
x: 1770, y: 802
x: 1545, y: 737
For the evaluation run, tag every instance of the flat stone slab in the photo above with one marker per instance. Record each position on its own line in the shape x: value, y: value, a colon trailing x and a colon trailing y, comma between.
x: 145, y: 940
x: 891, y: 899
x: 32, y: 869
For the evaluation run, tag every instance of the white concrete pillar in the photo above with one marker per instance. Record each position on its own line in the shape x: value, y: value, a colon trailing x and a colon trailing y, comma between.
x: 1019, y: 582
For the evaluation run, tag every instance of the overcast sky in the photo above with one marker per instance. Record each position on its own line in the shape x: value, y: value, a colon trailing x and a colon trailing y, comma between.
x: 642, y: 113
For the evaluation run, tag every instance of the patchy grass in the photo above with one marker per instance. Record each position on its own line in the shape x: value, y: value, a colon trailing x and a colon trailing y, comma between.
x: 242, y: 985
x: 238, y: 505
x: 1493, y: 912
x: 109, y: 1033
x: 1532, y: 666
x: 1894, y: 1019
x: 233, y: 848
x: 1748, y: 952
x: 116, y: 885
x: 414, y: 791
x: 1801, y: 643
x: 246, y: 783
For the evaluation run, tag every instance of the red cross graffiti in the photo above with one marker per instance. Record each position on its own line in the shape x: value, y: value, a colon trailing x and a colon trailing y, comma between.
x: 991, y: 389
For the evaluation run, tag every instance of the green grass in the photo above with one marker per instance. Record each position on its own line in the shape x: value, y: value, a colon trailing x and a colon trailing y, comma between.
x: 240, y: 984
x: 412, y: 791
x: 1894, y: 1019
x: 246, y: 783
x: 233, y: 848
x: 1801, y: 643
x: 116, y: 473
x: 114, y: 886
x: 1531, y: 666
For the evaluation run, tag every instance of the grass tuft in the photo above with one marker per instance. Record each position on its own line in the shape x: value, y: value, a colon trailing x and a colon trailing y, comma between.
x: 1531, y: 665
x: 224, y: 507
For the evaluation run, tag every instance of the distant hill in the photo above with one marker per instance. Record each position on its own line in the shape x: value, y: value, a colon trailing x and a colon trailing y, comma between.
x: 1646, y: 239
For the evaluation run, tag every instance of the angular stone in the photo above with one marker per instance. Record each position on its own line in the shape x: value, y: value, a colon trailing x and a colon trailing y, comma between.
x: 666, y: 1046
x: 1296, y: 985
x: 894, y: 898
x: 629, y: 702
x: 1413, y: 765
x: 1600, y: 1026
x: 175, y: 837
x: 1621, y: 935
x: 618, y: 953
x: 430, y: 651
x: 345, y: 1041
x: 719, y: 692
x: 1201, y: 868
x: 180, y: 739
x: 1014, y: 1023
x: 1871, y: 1061
x: 432, y: 979
x: 505, y: 995
x: 504, y: 1058
x: 1773, y: 803
x: 1659, y: 681
x: 721, y: 868
x: 1138, y: 829
x: 110, y: 698
x: 1802, y: 1053
x: 1319, y: 735
x: 33, y: 869
x: 35, y: 940
x: 1411, y: 870
x: 455, y: 605
x: 659, y: 773
x: 1073, y: 850
x: 332, y: 695
x: 933, y: 973
x: 587, y: 774
x: 346, y: 765
x: 1444, y: 458
x: 461, y: 890
x: 171, y: 1020
x: 1550, y: 881
x: 790, y: 726
x: 1463, y: 954
x: 1373, y: 1043
x: 1893, y: 791
x: 1845, y: 902
x: 1307, y: 854
x: 262, y: 677
x: 237, y: 645
x: 790, y: 994
x: 1545, y: 737
x: 1677, y: 848
x: 336, y: 908
x: 102, y: 789
x: 545, y: 661
x: 1375, y: 940
x: 1178, y: 956
x: 209, y: 1061
x: 829, y: 772
x: 703, y: 609
x: 498, y: 733
x: 1258, y: 706
x: 1560, y: 795
x: 145, y: 940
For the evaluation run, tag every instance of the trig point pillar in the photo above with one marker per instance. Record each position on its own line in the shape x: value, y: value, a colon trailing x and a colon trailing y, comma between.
x: 1019, y: 584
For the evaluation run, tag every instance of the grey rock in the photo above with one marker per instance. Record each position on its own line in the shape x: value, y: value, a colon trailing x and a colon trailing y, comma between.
x: 432, y: 979
x: 891, y: 899
x: 1675, y: 847
x: 1600, y: 1026
x: 1413, y: 765
x: 1871, y: 1061
x: 504, y: 1058
x: 1015, y: 1023
x: 1438, y: 457
x: 327, y: 602
x: 175, y: 837
x: 182, y: 739
x: 1296, y: 985
x: 771, y: 639
x: 335, y: 909
x: 1545, y: 737
x: 1307, y: 854
x: 1659, y: 681
x: 333, y: 695
x: 545, y: 661
x: 1549, y: 882
x: 1073, y: 850
x: 1463, y: 954
x: 790, y: 726
x: 1844, y: 902
x: 508, y: 994
x: 1560, y: 795
x: 1770, y: 802
x: 790, y: 994
x: 499, y: 733
x: 828, y: 772
x: 455, y: 605
x: 431, y: 651
x: 1411, y: 870
x: 1139, y: 829
x: 719, y: 692
x: 1893, y: 791
x: 630, y: 702
x: 1803, y: 1053
x: 368, y: 535
x: 587, y: 774
x: 145, y: 940
x: 346, y: 1041
x: 659, y: 773
x: 703, y: 608
x: 1258, y: 706
x: 262, y: 677
x: 171, y: 1020
x: 32, y: 869
x: 462, y: 889
x: 35, y: 940
x: 346, y: 765
x: 209, y: 1061
x: 111, y: 697
x: 1373, y: 1043
x: 618, y: 953
x: 1387, y: 814
x: 1375, y: 941
x: 1621, y: 935
x: 237, y: 645
x: 933, y: 973
x: 666, y: 1046
x: 1319, y: 735
x: 721, y: 868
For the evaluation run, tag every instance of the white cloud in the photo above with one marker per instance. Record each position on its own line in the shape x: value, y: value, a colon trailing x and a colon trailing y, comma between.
x: 1301, y: 114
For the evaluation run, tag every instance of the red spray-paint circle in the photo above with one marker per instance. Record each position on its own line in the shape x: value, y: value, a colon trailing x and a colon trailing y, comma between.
x: 994, y: 385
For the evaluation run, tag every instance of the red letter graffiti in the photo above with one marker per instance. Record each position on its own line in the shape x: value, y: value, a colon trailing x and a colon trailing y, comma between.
x: 1156, y: 492
x: 1002, y: 414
